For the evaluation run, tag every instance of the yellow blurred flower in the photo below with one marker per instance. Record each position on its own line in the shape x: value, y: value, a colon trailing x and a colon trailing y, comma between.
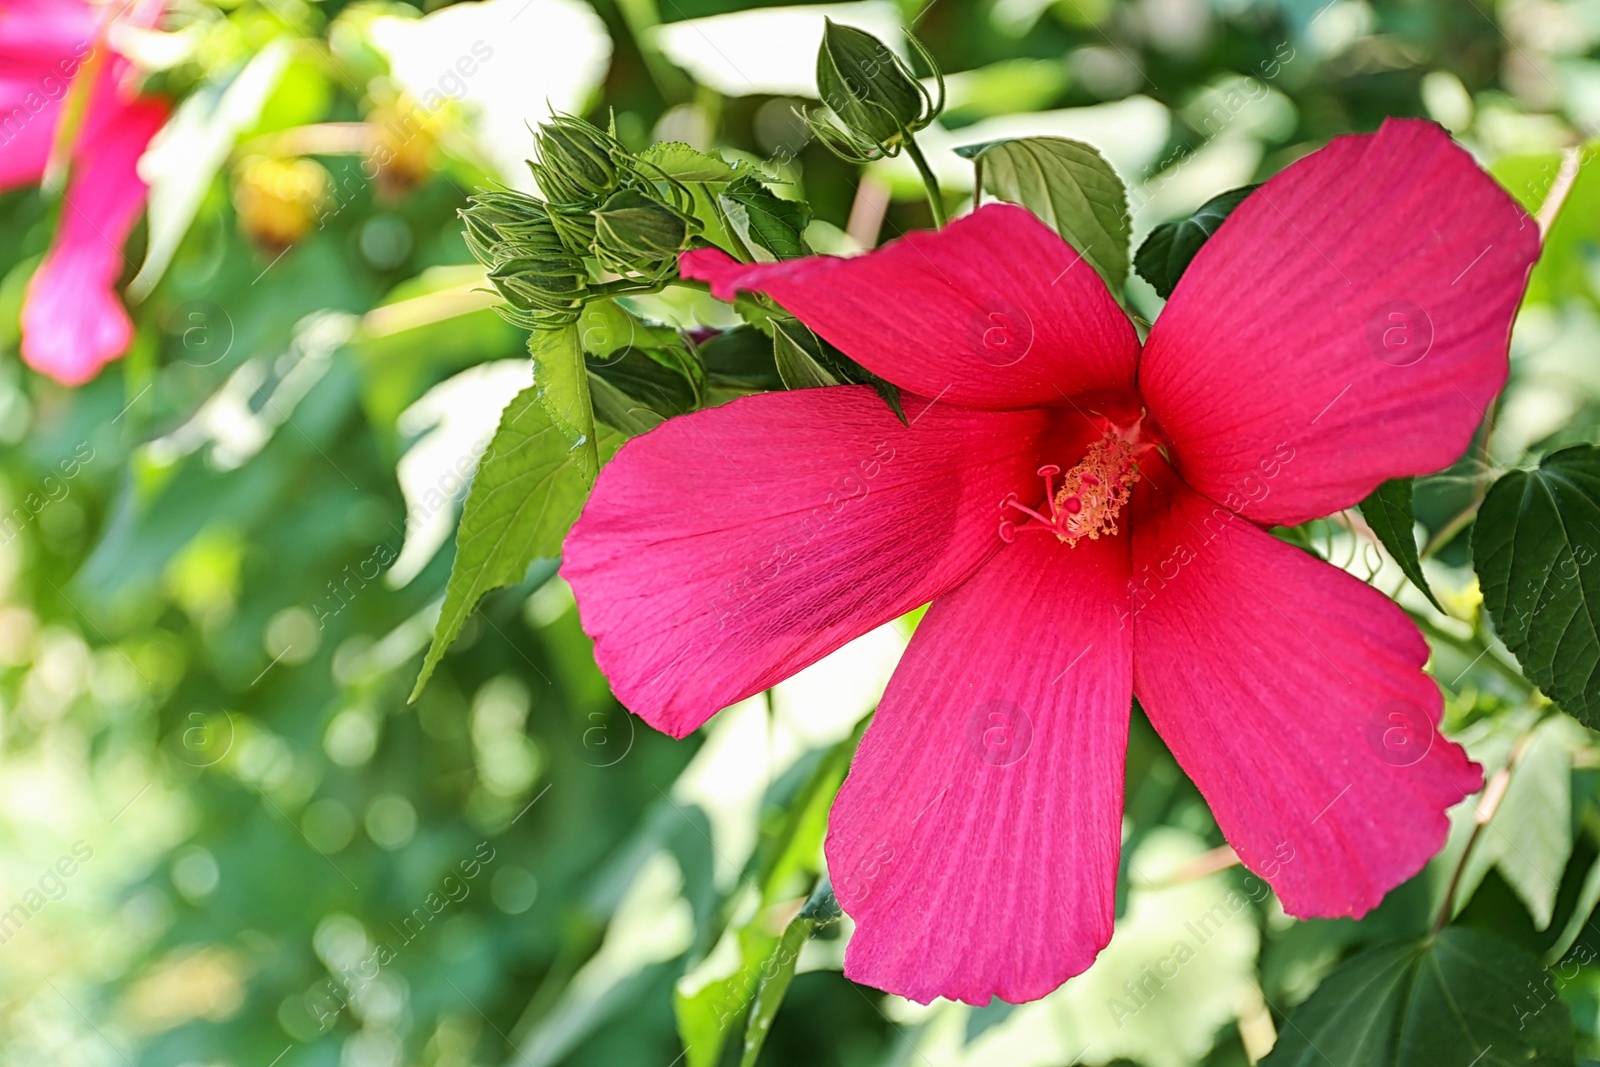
x: 278, y: 200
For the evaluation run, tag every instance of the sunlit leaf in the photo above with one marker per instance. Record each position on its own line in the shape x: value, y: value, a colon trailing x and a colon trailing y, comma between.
x: 184, y: 158
x: 713, y: 998
x: 1530, y: 837
x: 531, y: 484
x: 1071, y: 187
x: 1566, y: 264
x: 820, y: 911
x: 561, y: 383
x: 678, y: 160
x: 769, y: 226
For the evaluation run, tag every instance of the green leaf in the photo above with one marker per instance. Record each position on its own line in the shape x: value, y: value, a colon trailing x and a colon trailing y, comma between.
x: 604, y: 329
x: 804, y: 360
x: 1530, y: 836
x: 1536, y: 546
x: 678, y: 160
x: 193, y: 148
x: 1588, y: 900
x: 1166, y: 253
x: 610, y: 333
x: 738, y: 362
x: 1564, y: 267
x: 1462, y: 997
x: 725, y: 987
x: 561, y: 382
x: 1071, y: 187
x: 636, y: 391
x: 615, y: 408
x: 531, y: 484
x: 1389, y: 512
x: 821, y: 910
x: 764, y: 222
x: 799, y: 354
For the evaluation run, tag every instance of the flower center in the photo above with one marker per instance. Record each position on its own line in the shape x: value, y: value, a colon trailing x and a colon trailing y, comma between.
x: 1091, y: 495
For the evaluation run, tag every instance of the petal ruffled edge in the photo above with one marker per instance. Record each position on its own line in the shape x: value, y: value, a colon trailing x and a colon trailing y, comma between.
x: 1278, y: 682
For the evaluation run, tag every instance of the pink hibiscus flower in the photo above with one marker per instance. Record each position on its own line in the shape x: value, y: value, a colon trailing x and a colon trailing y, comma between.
x: 72, y: 320
x: 1087, y: 517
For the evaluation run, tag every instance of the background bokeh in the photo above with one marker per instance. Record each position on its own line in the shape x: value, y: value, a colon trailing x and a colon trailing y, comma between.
x: 210, y: 625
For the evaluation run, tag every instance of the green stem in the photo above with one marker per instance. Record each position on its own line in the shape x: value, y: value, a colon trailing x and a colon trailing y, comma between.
x: 1494, y: 791
x: 642, y: 17
x: 1485, y: 654
x: 1449, y: 530
x: 929, y: 182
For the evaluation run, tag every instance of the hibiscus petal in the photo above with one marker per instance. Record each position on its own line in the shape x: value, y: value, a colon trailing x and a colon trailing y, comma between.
x: 73, y: 322
x: 44, y: 46
x: 975, y: 840
x: 727, y: 549
x: 27, y: 130
x: 1291, y: 693
x: 1352, y: 315
x: 993, y: 311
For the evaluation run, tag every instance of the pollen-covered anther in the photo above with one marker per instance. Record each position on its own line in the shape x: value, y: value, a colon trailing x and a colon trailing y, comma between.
x: 1091, y: 495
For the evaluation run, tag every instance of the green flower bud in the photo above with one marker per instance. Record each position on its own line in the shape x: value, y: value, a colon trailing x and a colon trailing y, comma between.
x: 876, y: 100
x: 575, y: 225
x: 547, y: 291
x: 579, y: 164
x: 493, y: 218
x: 634, y: 233
x: 541, y: 278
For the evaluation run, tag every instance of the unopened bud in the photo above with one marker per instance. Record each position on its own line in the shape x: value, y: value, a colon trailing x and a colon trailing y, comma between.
x: 636, y: 233
x: 578, y: 163
x: 541, y: 277
x: 875, y: 98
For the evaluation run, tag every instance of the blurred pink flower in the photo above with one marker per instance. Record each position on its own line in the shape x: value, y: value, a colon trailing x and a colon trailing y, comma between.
x: 73, y: 322
x: 1088, y: 517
